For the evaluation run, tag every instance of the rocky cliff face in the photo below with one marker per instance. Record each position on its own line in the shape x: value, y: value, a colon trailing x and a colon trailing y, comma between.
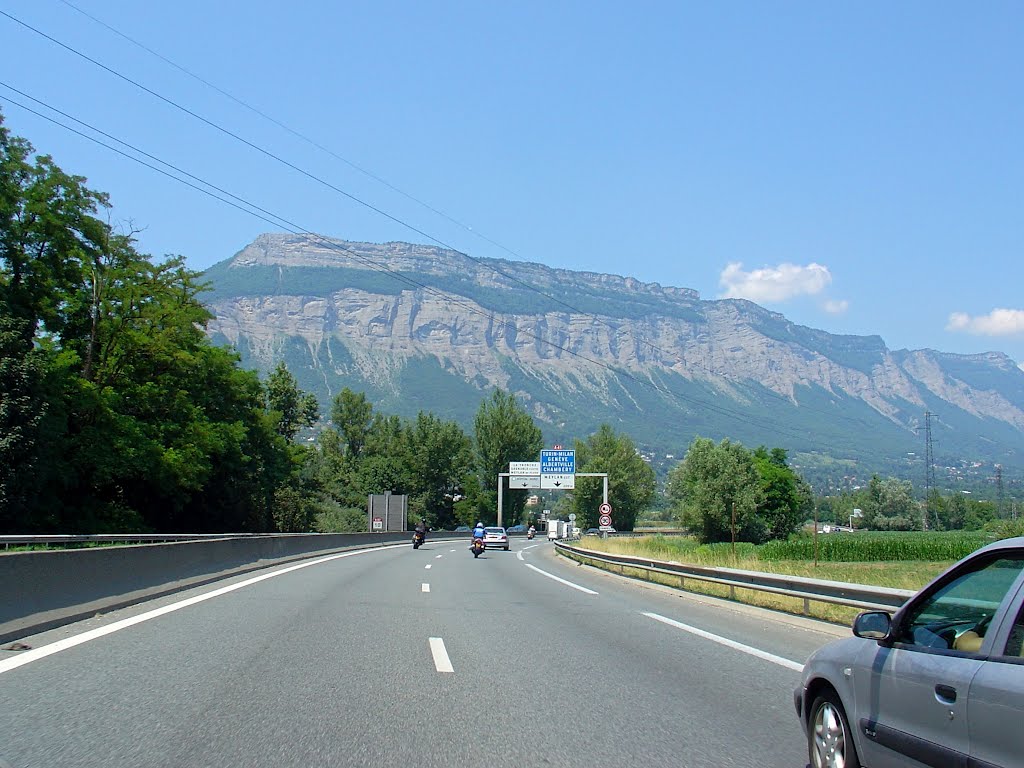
x: 359, y: 312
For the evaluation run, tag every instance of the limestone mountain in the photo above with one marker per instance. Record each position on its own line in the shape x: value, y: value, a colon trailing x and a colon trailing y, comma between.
x: 424, y: 328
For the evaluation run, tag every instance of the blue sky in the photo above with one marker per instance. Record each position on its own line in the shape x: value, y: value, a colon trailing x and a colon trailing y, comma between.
x: 856, y: 167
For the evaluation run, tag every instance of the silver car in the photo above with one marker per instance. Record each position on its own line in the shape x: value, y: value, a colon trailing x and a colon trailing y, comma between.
x: 940, y: 683
x: 495, y: 538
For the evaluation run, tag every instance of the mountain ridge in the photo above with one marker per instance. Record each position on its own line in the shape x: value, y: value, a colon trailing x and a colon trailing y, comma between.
x: 327, y: 307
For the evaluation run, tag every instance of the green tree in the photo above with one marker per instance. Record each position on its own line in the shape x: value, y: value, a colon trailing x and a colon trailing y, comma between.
x: 631, y: 481
x: 48, y: 237
x: 712, y: 486
x: 441, y: 458
x: 23, y: 406
x: 352, y: 416
x: 294, y: 408
x: 503, y: 432
x: 786, y: 501
x: 114, y: 398
x: 888, y: 505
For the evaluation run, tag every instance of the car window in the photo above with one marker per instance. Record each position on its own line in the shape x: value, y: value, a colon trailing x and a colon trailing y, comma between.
x: 494, y: 530
x: 960, y: 610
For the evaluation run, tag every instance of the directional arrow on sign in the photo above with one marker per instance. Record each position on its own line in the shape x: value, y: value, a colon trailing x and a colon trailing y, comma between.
x: 558, y: 482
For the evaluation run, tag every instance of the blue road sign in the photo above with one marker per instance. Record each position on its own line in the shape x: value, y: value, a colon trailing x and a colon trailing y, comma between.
x: 558, y: 462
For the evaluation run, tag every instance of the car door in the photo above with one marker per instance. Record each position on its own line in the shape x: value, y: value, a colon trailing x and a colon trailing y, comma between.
x: 912, y: 692
x: 996, y: 698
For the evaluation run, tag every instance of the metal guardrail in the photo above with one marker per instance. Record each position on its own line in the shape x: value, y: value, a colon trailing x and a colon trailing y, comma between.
x: 862, y: 596
x: 10, y: 540
x: 57, y: 539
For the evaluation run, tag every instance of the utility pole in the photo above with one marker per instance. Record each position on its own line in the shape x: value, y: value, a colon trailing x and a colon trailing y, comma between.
x: 733, y: 527
x: 999, y: 490
x: 929, y: 469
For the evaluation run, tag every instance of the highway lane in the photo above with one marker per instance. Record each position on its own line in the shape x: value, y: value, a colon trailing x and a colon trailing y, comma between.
x: 334, y: 664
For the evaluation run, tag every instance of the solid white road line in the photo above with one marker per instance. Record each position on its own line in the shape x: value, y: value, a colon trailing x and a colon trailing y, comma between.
x: 424, y: 587
x: 795, y: 666
x: 26, y: 657
x: 519, y: 554
x: 563, y: 581
x: 441, y: 660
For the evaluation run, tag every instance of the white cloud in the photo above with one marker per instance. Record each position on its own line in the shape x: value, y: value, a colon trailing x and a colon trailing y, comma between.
x: 773, y: 284
x: 998, y: 322
x: 835, y: 306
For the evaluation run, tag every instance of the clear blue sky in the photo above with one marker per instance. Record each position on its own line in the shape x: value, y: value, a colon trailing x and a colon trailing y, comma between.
x: 857, y: 167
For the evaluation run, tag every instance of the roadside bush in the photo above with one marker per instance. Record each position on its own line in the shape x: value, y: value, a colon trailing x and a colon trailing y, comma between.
x: 334, y: 518
x: 1006, y: 529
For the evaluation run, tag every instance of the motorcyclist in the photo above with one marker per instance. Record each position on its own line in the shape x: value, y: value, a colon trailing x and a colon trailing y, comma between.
x: 478, y: 533
x: 421, y: 531
x: 531, y: 532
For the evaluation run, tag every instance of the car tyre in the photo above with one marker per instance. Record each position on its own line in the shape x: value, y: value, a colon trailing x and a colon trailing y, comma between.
x: 829, y: 738
x: 506, y: 549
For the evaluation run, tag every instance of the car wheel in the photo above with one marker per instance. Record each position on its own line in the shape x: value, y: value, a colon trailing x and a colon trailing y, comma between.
x: 829, y: 739
x: 506, y: 549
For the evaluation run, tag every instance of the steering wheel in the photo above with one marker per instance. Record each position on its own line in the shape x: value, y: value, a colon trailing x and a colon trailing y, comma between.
x: 982, y: 625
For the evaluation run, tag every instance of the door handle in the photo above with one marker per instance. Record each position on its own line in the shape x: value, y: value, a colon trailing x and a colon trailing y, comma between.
x: 945, y: 692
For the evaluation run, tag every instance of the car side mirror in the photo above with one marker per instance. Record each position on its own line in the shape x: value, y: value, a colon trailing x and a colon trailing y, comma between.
x: 873, y: 625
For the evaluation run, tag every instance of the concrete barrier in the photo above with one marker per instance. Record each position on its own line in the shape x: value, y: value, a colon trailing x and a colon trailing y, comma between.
x: 43, y: 590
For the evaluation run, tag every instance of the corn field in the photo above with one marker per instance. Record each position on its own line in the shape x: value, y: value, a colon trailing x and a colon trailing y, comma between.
x: 860, y: 547
x: 874, y: 546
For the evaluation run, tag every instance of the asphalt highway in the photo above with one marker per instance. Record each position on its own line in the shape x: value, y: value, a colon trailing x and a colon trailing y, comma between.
x: 402, y: 657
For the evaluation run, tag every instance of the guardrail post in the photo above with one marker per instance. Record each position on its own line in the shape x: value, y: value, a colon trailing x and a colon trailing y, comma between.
x: 807, y: 606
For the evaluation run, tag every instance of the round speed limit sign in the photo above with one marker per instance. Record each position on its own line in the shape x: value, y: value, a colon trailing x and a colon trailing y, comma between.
x: 605, y: 509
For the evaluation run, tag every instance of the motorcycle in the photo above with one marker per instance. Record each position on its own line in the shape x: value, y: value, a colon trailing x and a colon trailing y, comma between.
x: 477, y: 547
x: 417, y: 540
x: 529, y: 534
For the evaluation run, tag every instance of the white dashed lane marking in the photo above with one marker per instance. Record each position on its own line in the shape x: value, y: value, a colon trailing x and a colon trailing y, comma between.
x: 440, y: 653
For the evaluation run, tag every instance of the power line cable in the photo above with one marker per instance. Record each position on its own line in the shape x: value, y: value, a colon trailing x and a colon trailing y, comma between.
x: 291, y: 227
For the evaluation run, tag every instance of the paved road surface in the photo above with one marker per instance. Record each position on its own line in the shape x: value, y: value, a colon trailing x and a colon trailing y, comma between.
x: 398, y: 657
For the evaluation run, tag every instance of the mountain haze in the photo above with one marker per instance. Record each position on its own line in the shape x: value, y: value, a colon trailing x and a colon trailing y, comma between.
x: 423, y: 328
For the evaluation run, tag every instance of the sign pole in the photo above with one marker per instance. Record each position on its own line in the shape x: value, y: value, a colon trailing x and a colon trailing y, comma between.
x: 500, y: 475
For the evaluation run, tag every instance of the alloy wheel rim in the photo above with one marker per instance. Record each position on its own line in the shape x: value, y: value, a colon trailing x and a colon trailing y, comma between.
x: 829, y: 738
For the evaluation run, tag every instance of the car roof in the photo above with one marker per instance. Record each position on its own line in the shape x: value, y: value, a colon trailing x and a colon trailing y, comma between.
x: 1011, y: 543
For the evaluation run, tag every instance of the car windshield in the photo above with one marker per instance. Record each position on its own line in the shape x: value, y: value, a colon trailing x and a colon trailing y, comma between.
x: 495, y: 531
